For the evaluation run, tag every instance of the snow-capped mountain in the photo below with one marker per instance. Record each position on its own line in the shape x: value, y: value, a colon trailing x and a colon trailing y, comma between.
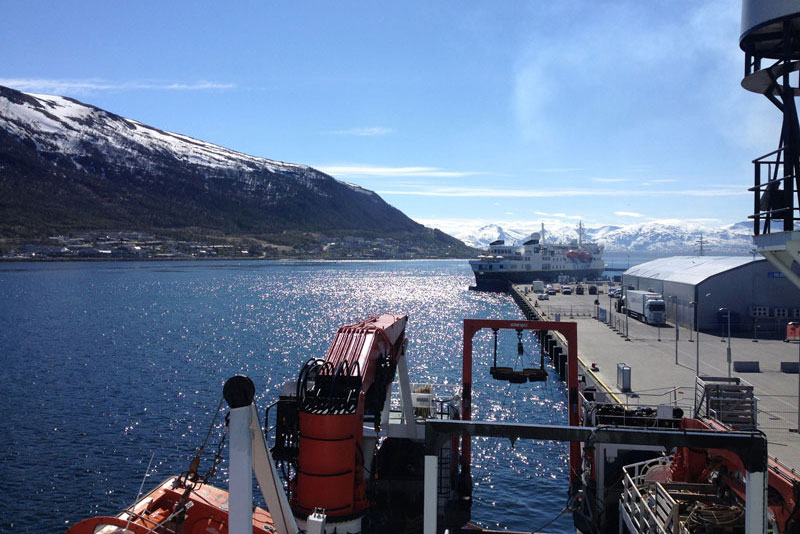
x: 492, y: 232
x: 67, y: 166
x: 651, y: 237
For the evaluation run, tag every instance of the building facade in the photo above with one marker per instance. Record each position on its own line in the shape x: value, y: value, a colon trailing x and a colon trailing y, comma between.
x: 698, y: 289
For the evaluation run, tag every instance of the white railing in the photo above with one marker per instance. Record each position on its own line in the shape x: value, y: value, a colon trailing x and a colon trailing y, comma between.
x: 645, y: 506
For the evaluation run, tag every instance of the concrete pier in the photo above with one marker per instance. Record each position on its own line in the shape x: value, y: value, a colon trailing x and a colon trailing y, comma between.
x: 656, y: 378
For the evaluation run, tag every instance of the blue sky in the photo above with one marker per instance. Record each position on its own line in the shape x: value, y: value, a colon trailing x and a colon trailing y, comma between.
x: 453, y: 111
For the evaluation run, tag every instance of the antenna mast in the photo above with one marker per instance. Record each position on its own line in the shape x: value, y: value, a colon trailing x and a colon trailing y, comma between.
x: 701, y: 243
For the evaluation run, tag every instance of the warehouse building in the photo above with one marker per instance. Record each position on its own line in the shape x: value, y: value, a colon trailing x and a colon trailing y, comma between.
x: 698, y: 289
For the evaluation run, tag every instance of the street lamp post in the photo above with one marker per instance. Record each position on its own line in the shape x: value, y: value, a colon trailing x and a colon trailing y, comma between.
x: 797, y: 324
x: 728, y: 314
x: 677, y: 335
x: 627, y: 337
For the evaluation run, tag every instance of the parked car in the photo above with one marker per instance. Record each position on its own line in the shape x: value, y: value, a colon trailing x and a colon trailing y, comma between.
x: 579, y: 290
x: 543, y: 296
x: 593, y: 290
x: 551, y: 290
x: 566, y: 290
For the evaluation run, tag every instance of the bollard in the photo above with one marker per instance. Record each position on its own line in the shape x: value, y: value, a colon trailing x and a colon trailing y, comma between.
x: 560, y: 360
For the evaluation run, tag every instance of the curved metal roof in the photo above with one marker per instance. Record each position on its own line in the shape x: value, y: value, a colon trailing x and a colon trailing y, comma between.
x: 688, y: 269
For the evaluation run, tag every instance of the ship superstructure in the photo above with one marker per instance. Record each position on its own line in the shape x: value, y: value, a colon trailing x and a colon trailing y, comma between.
x: 772, y: 59
x: 536, y: 260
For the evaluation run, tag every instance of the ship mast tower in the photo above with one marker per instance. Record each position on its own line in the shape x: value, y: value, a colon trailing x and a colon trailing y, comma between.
x: 770, y: 39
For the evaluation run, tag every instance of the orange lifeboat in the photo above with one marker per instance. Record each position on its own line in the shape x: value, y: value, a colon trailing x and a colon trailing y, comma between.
x: 174, y: 507
x: 579, y: 255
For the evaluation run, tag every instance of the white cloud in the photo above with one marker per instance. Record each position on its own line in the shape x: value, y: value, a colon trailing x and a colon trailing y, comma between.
x: 373, y: 170
x: 540, y: 193
x: 364, y: 132
x: 64, y: 86
x: 558, y: 169
x: 661, y: 181
x: 628, y: 214
x: 691, y: 55
x: 532, y: 96
x: 695, y: 220
x: 609, y: 180
x: 559, y: 215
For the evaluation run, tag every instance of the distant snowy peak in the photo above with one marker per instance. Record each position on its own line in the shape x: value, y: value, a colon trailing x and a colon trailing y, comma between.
x: 652, y: 237
x: 493, y: 232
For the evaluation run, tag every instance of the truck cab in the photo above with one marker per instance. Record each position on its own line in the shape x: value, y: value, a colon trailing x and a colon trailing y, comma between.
x: 655, y: 311
x: 647, y: 306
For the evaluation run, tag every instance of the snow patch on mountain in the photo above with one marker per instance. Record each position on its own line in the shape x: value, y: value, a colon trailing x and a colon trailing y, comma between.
x: 66, y: 127
x: 650, y: 237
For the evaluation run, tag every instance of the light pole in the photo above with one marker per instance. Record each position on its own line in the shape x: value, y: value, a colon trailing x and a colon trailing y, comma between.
x: 697, y: 337
x: 677, y: 335
x: 728, y: 314
x: 627, y: 337
x: 797, y: 324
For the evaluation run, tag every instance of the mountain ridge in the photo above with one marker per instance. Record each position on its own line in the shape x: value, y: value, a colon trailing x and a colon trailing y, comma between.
x: 650, y: 237
x: 66, y: 166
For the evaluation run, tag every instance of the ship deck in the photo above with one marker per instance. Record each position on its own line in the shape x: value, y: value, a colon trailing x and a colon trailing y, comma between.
x: 656, y: 378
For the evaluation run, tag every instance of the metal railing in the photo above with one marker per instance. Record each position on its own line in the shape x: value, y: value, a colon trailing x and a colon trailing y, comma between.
x: 728, y: 400
x: 769, y: 419
x: 570, y: 311
x: 770, y: 202
x: 645, y: 506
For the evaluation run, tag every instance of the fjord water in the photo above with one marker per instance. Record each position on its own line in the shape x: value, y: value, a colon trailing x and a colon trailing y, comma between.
x: 108, y: 364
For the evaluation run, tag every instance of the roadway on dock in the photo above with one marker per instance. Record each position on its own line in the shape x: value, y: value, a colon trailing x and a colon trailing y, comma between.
x: 657, y: 379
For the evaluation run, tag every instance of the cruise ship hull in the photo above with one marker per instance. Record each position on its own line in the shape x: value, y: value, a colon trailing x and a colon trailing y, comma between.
x: 499, y: 281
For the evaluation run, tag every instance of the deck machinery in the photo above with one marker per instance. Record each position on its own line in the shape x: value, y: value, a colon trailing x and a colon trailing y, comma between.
x: 346, y: 453
x: 347, y: 459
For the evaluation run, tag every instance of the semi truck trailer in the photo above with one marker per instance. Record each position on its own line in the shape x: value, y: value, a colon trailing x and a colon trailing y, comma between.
x: 646, y: 306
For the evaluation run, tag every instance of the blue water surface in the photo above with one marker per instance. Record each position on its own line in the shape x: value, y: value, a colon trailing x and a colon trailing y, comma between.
x: 106, y: 365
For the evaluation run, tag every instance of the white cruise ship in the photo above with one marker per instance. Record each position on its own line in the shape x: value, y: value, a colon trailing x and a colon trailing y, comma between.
x: 535, y: 260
